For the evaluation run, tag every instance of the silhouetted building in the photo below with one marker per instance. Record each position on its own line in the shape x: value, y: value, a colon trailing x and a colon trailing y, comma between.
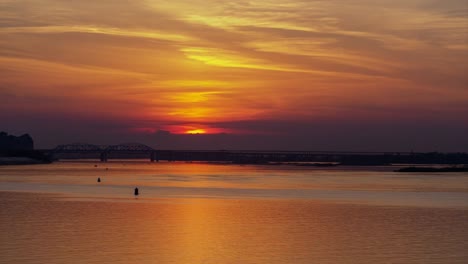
x: 13, y: 143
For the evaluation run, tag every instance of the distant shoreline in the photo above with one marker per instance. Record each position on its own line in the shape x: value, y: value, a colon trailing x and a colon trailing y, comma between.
x: 10, y: 161
x: 432, y: 169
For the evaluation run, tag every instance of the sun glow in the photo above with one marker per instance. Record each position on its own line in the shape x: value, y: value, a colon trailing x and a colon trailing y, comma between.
x: 196, y: 131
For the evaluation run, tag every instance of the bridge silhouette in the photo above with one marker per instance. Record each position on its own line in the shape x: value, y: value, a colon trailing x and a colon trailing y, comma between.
x: 137, y: 150
x: 104, y: 151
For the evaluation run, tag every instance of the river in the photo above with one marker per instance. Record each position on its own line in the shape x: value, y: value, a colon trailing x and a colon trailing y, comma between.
x: 218, y: 213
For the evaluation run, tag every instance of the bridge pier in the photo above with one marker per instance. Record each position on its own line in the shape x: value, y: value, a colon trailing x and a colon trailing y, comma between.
x: 154, y: 156
x: 104, y: 156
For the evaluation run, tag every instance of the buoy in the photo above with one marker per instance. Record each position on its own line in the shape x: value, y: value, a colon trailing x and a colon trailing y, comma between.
x: 98, y: 179
x: 136, y: 192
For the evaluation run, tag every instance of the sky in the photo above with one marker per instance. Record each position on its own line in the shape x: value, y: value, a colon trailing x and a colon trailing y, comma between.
x: 359, y: 75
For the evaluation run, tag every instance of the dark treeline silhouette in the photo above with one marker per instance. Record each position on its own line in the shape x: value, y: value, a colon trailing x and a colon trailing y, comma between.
x: 240, y: 157
x: 431, y: 169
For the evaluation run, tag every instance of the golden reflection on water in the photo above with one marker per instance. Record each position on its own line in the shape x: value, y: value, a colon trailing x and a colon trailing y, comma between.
x: 38, y: 228
x: 196, y: 175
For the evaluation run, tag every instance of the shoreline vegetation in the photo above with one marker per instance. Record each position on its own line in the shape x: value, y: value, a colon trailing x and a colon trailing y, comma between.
x: 24, y: 157
x: 4, y: 161
x: 433, y: 169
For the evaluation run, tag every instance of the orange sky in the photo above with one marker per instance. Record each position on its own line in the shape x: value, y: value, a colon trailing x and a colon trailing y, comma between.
x: 216, y: 66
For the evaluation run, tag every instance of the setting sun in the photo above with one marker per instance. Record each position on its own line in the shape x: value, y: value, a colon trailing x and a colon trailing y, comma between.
x: 245, y: 131
x: 196, y: 131
x: 244, y: 74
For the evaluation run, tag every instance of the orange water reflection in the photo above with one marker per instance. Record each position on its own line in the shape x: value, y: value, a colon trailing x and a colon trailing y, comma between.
x: 199, y: 175
x: 46, y: 229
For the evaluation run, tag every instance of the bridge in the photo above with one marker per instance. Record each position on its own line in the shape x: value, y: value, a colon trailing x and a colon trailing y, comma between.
x: 84, y: 150
x: 137, y: 150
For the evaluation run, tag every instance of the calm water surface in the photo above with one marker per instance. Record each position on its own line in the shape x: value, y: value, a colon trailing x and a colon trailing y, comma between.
x: 202, y: 213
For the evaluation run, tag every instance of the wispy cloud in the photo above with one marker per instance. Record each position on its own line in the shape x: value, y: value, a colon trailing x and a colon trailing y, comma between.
x: 194, y: 61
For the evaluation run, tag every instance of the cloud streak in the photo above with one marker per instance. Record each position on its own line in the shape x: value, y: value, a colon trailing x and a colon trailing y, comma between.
x: 176, y: 65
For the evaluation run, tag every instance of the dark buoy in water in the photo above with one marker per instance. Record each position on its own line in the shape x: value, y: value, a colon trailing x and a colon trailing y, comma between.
x: 136, y: 192
x: 98, y: 179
